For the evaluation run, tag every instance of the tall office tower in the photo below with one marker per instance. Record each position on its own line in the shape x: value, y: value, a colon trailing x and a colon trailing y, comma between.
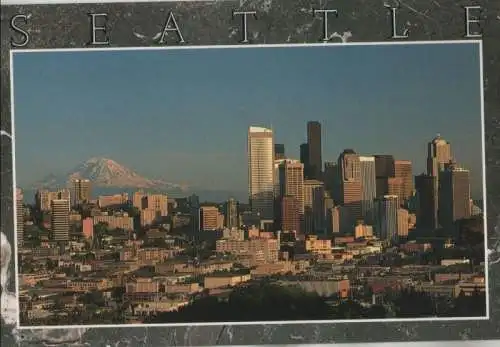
x: 327, y: 203
x: 427, y: 199
x: 314, y: 147
x: 290, y: 214
x: 384, y: 168
x: 387, y: 217
x: 276, y: 177
x: 291, y: 185
x: 438, y: 155
x: 291, y: 181
x: 403, y: 170
x: 194, y: 206
x: 403, y: 223
x: 231, y: 214
x: 19, y: 217
x: 277, y: 193
x: 395, y: 187
x: 194, y: 201
x: 314, y: 207
x: 60, y: 220
x: 209, y: 217
x: 81, y: 191
x: 43, y: 197
x: 368, y: 187
x: 333, y: 220
x: 351, y: 190
x: 279, y: 151
x: 304, y: 158
x: 331, y: 178
x: 261, y: 172
x: 454, y: 195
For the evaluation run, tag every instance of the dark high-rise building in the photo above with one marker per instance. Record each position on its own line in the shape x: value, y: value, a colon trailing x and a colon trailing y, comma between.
x: 384, y: 168
x: 231, y: 214
x: 314, y: 147
x: 427, y: 198
x: 368, y: 187
x: 304, y: 158
x: 386, y: 216
x: 279, y: 151
x: 194, y: 206
x: 454, y: 195
x: 331, y: 179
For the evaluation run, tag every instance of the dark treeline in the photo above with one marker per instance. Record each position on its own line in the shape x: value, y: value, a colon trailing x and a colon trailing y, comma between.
x: 268, y: 302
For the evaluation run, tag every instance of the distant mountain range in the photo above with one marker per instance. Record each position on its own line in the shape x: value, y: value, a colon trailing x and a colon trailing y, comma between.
x: 105, y: 173
x: 109, y: 177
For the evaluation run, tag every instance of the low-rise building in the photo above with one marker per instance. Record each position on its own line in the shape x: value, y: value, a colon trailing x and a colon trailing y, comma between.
x: 225, y: 280
x: 87, y: 285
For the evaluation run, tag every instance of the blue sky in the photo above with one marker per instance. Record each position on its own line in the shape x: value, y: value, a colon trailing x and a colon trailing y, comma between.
x: 182, y: 115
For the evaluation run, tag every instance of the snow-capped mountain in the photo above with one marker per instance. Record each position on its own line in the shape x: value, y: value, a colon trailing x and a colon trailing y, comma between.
x: 104, y: 172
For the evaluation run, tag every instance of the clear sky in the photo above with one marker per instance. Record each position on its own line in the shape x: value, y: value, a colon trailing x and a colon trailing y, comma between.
x: 183, y: 115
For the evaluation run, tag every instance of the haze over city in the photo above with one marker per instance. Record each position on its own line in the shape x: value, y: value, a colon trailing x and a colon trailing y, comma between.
x: 171, y: 114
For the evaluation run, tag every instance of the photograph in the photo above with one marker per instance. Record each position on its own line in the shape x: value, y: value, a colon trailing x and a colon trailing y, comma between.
x: 249, y: 184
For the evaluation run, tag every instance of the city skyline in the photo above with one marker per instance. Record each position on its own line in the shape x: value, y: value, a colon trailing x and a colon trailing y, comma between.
x: 179, y: 158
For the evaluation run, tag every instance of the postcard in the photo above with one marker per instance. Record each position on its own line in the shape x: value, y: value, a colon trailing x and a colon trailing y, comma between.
x: 247, y: 173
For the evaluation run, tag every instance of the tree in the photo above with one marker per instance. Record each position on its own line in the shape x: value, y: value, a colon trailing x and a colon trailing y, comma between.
x: 411, y: 304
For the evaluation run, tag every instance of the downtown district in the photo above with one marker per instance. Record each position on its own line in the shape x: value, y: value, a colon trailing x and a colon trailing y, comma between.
x: 361, y: 237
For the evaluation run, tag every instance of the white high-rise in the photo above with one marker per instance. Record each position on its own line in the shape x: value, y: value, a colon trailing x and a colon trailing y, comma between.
x: 261, y: 171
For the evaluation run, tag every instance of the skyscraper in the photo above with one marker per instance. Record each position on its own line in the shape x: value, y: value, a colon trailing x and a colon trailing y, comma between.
x: 194, y: 206
x: 279, y: 151
x: 332, y: 180
x: 403, y: 225
x: 403, y: 170
x: 438, y: 155
x: 427, y: 199
x: 314, y: 148
x: 261, y: 172
x: 314, y: 209
x: 387, y: 218
x: 231, y: 214
x: 19, y: 217
x: 304, y: 158
x: 395, y: 187
x: 81, y: 191
x: 290, y: 214
x: 454, y: 195
x: 351, y: 192
x: 60, y: 220
x: 333, y: 220
x: 368, y: 187
x: 384, y: 168
x: 291, y: 186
